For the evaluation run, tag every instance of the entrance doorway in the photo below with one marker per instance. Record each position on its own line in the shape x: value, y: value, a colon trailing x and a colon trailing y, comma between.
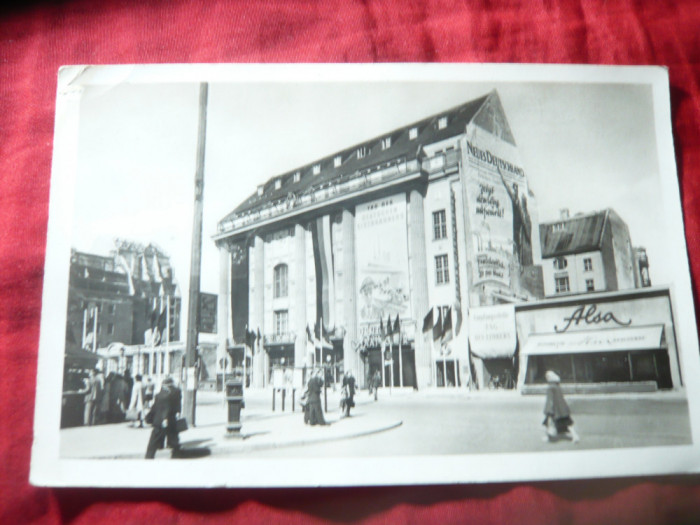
x: 395, y: 370
x: 447, y: 373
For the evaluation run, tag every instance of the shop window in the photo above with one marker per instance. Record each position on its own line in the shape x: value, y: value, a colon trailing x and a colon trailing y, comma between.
x: 590, y: 286
x: 588, y: 264
x: 442, y: 274
x: 281, y: 272
x: 561, y: 284
x: 281, y: 322
x: 439, y: 225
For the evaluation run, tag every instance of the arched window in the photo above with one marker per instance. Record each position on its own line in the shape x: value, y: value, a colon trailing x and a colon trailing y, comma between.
x: 281, y: 280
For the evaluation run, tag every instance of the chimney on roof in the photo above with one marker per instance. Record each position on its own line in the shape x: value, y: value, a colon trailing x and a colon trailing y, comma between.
x: 261, y: 188
x: 564, y: 213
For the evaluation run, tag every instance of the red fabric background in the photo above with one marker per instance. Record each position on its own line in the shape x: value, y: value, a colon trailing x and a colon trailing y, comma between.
x: 37, y: 38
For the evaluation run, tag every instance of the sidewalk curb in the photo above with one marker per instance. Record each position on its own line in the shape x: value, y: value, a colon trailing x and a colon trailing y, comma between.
x: 255, y: 447
x: 224, y: 445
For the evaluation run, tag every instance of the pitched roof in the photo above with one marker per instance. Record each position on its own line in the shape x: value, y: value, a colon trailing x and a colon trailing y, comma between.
x: 402, y: 147
x: 581, y: 233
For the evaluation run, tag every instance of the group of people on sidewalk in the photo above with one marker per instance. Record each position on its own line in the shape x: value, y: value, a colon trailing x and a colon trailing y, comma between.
x: 311, y: 399
x: 108, y: 400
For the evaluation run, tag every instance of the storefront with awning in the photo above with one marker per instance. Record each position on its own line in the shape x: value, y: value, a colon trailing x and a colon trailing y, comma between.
x: 618, y: 341
x: 493, y: 343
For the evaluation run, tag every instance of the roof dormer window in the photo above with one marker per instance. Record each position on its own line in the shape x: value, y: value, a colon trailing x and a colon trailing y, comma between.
x: 278, y: 184
x: 361, y: 152
x: 442, y: 122
x: 297, y: 177
x: 316, y: 169
x: 386, y: 143
x: 412, y: 133
x: 337, y: 161
x: 261, y: 189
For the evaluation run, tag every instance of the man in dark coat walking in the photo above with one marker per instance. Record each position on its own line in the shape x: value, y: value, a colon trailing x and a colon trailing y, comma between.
x: 163, y: 416
x: 348, y: 400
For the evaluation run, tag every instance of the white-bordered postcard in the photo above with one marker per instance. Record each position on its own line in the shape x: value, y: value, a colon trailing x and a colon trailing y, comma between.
x: 387, y: 274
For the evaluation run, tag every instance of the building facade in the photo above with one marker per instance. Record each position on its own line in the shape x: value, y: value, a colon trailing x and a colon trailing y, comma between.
x: 126, y: 300
x: 591, y: 252
x: 343, y: 261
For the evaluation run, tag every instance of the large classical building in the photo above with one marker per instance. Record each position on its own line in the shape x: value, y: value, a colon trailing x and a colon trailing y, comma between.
x: 415, y: 225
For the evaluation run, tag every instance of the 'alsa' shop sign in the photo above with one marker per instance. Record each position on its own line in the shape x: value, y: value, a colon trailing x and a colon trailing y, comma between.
x: 590, y: 315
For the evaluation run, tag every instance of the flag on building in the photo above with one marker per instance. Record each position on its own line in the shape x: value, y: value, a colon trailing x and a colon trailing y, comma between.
x: 320, y: 340
x: 389, y: 327
x: 381, y: 327
x: 447, y: 327
x: 249, y: 337
x: 437, y: 327
x: 325, y: 273
x: 428, y: 321
x: 458, y: 316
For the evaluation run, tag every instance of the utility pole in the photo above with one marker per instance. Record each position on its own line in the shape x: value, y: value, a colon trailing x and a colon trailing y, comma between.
x: 190, y: 393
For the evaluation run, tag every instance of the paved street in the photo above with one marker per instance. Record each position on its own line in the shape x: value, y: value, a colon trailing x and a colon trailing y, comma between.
x: 429, y: 422
x: 438, y: 423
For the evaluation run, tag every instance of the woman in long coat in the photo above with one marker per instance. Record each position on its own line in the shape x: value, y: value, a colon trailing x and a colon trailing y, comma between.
x: 557, y: 414
x: 315, y: 414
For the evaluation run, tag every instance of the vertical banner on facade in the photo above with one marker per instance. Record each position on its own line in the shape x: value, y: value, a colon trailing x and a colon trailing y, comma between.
x: 499, y: 223
x: 381, y: 251
x: 325, y: 274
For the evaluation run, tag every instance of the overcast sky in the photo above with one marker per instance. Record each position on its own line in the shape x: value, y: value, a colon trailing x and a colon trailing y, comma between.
x: 583, y: 147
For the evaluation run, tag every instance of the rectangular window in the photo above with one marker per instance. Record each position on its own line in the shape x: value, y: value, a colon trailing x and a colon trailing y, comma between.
x: 442, y: 274
x: 561, y: 284
x: 386, y: 143
x: 110, y: 329
x: 337, y: 161
x: 439, y: 225
x: 297, y: 177
x: 590, y: 286
x: 316, y: 169
x: 281, y: 317
x: 588, y: 264
x: 361, y: 152
x: 412, y: 133
x: 442, y: 122
x: 278, y: 184
x: 281, y: 288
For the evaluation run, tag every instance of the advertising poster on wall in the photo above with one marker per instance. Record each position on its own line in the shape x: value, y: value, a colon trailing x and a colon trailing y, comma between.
x: 382, y: 259
x: 496, y: 189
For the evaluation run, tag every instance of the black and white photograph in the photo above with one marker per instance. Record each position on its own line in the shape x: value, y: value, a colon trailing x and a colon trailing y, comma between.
x: 316, y: 275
